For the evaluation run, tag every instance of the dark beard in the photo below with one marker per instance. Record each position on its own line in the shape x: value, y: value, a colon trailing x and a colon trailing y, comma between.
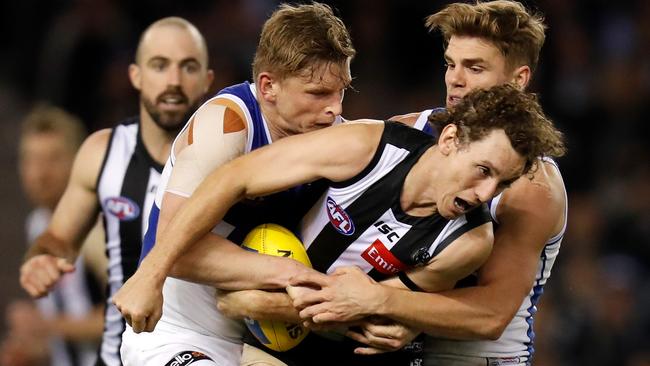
x: 170, y: 122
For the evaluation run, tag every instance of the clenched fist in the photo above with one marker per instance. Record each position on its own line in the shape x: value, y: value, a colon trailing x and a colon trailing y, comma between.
x: 40, y: 273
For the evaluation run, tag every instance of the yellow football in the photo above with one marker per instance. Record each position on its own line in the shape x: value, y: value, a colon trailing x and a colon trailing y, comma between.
x: 275, y: 240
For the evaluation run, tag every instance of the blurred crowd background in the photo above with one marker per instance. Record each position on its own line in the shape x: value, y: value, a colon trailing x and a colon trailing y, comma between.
x: 593, y: 80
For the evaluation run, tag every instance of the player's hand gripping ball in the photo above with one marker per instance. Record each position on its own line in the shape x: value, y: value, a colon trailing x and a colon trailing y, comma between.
x: 275, y: 240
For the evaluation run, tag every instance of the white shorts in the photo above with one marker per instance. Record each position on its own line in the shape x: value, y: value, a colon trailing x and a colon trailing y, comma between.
x: 173, y: 346
x: 456, y: 360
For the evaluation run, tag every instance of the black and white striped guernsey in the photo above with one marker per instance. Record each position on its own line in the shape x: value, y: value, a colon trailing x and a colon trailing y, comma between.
x: 360, y: 222
x: 126, y: 188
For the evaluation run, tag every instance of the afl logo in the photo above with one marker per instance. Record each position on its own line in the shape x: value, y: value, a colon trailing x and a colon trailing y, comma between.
x: 122, y: 208
x: 339, y: 218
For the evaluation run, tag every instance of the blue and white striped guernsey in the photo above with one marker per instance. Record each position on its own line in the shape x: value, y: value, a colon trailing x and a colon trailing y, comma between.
x: 517, y: 340
x: 201, y: 321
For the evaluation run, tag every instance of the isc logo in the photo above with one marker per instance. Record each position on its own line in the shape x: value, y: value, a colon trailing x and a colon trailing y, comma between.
x: 386, y: 230
x: 339, y: 218
x: 122, y: 208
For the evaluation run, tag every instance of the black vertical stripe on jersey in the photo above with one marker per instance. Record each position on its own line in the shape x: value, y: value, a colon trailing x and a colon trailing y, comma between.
x: 71, y: 349
x: 397, y: 134
x: 475, y: 218
x: 99, y: 361
x: 141, y: 151
x: 364, y: 211
x: 134, y: 187
x: 401, y: 135
x: 107, y: 294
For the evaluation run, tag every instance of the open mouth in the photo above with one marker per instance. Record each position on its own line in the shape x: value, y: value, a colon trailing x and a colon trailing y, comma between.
x: 462, y: 205
x: 172, y: 100
x: 454, y: 100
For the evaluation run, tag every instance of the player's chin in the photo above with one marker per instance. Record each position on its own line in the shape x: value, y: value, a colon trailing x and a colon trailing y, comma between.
x: 450, y: 214
x: 320, y: 126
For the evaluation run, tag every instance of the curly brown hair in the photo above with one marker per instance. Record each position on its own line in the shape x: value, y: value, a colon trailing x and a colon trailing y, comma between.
x: 297, y: 38
x: 505, y: 107
x: 515, y: 31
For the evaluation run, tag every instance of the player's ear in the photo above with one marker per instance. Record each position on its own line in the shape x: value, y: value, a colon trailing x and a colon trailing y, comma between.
x: 448, y: 140
x: 209, y: 78
x: 135, y: 76
x: 521, y: 77
x: 267, y: 86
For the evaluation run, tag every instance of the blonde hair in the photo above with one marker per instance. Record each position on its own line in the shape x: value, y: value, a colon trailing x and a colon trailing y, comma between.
x: 300, y: 37
x: 46, y: 118
x: 517, y: 33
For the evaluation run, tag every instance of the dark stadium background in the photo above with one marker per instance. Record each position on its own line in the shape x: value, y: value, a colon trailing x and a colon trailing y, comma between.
x: 594, y: 80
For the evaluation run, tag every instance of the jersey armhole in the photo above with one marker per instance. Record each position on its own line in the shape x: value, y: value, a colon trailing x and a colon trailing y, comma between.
x: 103, y: 165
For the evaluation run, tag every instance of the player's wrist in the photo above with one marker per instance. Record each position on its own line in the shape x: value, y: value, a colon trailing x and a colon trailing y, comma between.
x: 283, y: 270
x: 384, y: 298
x: 156, y: 270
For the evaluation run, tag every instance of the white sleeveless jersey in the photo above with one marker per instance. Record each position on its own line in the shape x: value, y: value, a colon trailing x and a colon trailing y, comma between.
x: 125, y: 187
x: 518, y: 337
x: 189, y: 307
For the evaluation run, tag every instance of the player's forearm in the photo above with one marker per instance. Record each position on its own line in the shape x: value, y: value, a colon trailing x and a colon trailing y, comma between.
x: 47, y: 243
x: 217, y: 262
x: 260, y: 305
x: 462, y: 314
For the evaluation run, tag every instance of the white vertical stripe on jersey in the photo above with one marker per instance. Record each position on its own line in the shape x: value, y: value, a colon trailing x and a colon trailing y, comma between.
x: 122, y: 145
x: 316, y: 218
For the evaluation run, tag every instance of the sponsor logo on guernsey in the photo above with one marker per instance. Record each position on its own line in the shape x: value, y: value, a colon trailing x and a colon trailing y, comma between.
x: 339, y: 218
x: 186, y: 358
x: 122, y: 208
x: 382, y: 259
x: 497, y: 361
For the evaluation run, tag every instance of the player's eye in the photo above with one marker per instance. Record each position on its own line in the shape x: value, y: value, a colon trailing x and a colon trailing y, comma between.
x: 158, y: 65
x: 476, y: 69
x: 191, y: 67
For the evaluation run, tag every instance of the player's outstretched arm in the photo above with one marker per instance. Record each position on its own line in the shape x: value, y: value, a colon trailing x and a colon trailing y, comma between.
x: 258, y: 305
x: 53, y: 253
x: 287, y: 163
x: 349, y: 294
x: 218, y: 262
x: 530, y: 213
x: 292, y: 161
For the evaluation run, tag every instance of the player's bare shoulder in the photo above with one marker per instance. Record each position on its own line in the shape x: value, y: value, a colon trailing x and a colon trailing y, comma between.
x: 212, y: 121
x: 361, y: 135
x: 214, y: 135
x: 540, y: 197
x: 90, y: 157
x: 407, y: 119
